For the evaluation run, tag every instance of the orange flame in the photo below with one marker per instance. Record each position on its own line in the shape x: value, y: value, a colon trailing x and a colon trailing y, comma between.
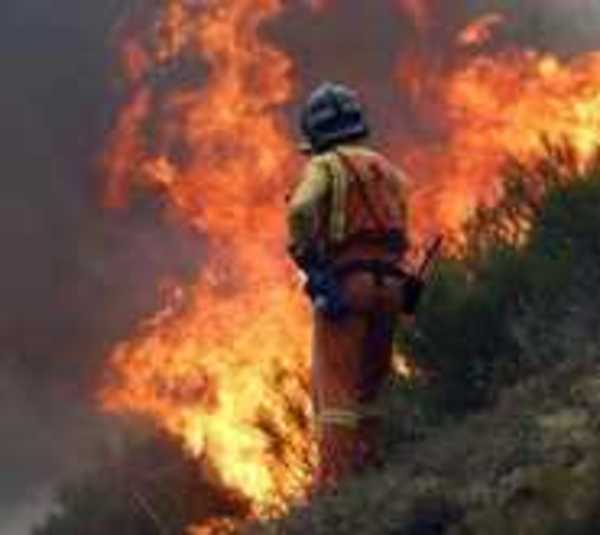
x: 227, y: 371
x: 499, y: 105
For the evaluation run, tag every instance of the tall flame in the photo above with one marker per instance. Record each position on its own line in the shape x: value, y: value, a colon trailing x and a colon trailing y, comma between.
x: 227, y: 370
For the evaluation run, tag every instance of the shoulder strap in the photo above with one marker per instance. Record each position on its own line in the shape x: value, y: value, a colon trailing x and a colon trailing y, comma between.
x: 362, y: 188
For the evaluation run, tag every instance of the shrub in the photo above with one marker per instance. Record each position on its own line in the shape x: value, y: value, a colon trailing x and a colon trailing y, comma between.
x: 490, y: 314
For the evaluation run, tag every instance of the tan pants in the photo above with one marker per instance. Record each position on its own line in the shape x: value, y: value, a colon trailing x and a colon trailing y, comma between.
x: 351, y: 360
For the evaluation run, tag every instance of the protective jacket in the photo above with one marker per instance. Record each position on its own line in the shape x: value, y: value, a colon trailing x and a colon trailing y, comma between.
x: 350, y: 204
x: 347, y: 195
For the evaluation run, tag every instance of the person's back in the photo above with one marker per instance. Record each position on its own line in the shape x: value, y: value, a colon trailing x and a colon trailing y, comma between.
x: 367, y: 203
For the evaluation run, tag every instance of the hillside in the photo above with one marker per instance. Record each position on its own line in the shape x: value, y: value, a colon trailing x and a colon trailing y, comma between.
x: 528, y: 466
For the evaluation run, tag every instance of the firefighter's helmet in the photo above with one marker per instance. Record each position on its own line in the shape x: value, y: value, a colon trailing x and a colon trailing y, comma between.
x: 332, y: 114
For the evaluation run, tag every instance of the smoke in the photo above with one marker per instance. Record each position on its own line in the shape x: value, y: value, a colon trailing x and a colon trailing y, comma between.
x: 350, y: 41
x: 391, y: 49
x: 18, y: 520
x: 74, y: 278
x: 562, y: 27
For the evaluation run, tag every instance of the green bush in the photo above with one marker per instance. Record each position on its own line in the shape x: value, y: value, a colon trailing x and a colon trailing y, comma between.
x: 490, y: 313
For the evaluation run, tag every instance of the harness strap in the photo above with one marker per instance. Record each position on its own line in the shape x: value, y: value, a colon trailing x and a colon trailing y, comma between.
x: 362, y: 188
x: 393, y: 239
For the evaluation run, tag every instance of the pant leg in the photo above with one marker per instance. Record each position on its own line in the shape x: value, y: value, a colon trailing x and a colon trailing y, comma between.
x: 336, y: 369
x: 379, y: 302
x: 351, y: 361
x: 376, y: 357
x: 375, y: 367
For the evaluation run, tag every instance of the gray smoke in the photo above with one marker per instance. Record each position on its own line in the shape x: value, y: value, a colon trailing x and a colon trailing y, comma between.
x: 73, y: 277
x: 565, y: 27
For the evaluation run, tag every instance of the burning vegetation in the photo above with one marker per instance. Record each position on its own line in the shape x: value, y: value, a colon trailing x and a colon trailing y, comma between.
x: 227, y: 372
x: 203, y: 123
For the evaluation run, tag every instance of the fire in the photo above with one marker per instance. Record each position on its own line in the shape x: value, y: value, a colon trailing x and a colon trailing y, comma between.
x: 507, y: 103
x: 224, y: 366
x: 227, y: 370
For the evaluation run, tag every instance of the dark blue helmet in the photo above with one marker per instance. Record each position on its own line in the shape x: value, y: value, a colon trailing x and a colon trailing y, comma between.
x: 332, y: 115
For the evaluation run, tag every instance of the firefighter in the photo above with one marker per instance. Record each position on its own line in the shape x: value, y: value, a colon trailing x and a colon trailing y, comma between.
x: 347, y: 225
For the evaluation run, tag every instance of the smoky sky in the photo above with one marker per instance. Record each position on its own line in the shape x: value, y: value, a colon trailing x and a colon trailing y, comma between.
x: 365, y: 43
x: 75, y: 278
